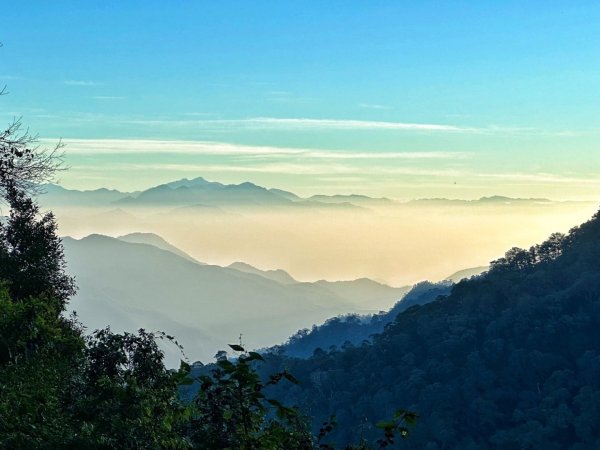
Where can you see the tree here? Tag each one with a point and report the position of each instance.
(124, 397)
(31, 254)
(38, 347)
(24, 163)
(38, 351)
(232, 411)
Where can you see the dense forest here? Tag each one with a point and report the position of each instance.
(353, 329)
(510, 359)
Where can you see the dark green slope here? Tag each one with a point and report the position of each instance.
(354, 328)
(508, 360)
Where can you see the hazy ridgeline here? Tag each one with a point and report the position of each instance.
(138, 285)
(396, 243)
(192, 290)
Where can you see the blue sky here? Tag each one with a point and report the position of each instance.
(499, 97)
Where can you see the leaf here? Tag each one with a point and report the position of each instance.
(385, 425)
(185, 367)
(399, 413)
(226, 365)
(255, 356)
(411, 418)
(291, 378)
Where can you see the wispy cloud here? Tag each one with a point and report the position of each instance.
(80, 83)
(306, 162)
(312, 124)
(285, 168)
(538, 177)
(336, 124)
(373, 106)
(122, 146)
(10, 77)
(200, 122)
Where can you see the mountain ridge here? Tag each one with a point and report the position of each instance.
(117, 277)
(509, 359)
(187, 191)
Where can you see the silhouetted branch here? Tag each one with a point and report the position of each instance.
(24, 163)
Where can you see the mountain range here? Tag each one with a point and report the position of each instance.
(196, 192)
(140, 280)
(199, 193)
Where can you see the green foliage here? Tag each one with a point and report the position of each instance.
(31, 254)
(517, 259)
(232, 411)
(398, 425)
(124, 397)
(32, 408)
(353, 329)
(508, 360)
(39, 349)
(32, 327)
(38, 352)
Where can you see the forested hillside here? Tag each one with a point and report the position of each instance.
(353, 329)
(508, 360)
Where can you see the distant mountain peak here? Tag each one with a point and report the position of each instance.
(248, 184)
(354, 199)
(200, 191)
(278, 275)
(156, 241)
(186, 182)
(95, 237)
(466, 273)
(285, 194)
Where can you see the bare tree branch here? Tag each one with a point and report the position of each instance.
(24, 164)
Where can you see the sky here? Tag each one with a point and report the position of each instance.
(397, 99)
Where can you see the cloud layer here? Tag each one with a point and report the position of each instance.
(140, 146)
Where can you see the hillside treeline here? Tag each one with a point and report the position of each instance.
(510, 359)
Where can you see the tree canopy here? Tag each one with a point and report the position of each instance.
(510, 359)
